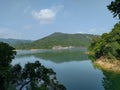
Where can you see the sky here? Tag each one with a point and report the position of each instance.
(35, 19)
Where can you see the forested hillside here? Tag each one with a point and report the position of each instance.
(108, 45)
(59, 39)
(14, 41)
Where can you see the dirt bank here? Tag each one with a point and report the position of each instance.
(108, 64)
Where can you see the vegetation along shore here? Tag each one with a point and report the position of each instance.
(106, 48)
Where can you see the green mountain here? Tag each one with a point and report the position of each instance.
(59, 39)
(14, 41)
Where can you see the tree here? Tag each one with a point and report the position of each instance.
(33, 76)
(7, 53)
(114, 7)
(107, 45)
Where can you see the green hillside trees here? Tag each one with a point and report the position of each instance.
(108, 45)
(59, 39)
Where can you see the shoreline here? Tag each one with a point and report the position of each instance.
(108, 64)
(56, 48)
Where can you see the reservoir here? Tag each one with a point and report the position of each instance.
(73, 68)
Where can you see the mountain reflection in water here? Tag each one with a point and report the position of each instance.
(58, 56)
(73, 68)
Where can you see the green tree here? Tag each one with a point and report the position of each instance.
(114, 7)
(108, 45)
(33, 76)
(7, 53)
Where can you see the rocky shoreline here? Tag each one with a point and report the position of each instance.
(108, 64)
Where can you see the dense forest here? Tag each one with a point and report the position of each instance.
(108, 45)
(59, 39)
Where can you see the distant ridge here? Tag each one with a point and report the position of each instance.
(59, 39)
(14, 41)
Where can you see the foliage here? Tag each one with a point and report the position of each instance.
(7, 53)
(108, 45)
(33, 76)
(114, 7)
(59, 39)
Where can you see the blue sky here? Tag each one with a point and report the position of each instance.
(34, 19)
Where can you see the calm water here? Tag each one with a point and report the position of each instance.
(74, 70)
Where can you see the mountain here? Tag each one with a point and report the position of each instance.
(15, 41)
(59, 39)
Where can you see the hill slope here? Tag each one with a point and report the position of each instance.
(15, 41)
(60, 39)
(108, 45)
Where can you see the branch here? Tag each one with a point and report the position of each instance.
(24, 84)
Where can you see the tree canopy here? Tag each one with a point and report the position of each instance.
(114, 7)
(34, 76)
(108, 45)
(7, 53)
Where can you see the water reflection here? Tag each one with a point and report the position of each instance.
(111, 81)
(58, 56)
(74, 70)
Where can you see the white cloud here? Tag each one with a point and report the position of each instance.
(46, 16)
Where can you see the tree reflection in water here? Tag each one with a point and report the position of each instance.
(111, 81)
